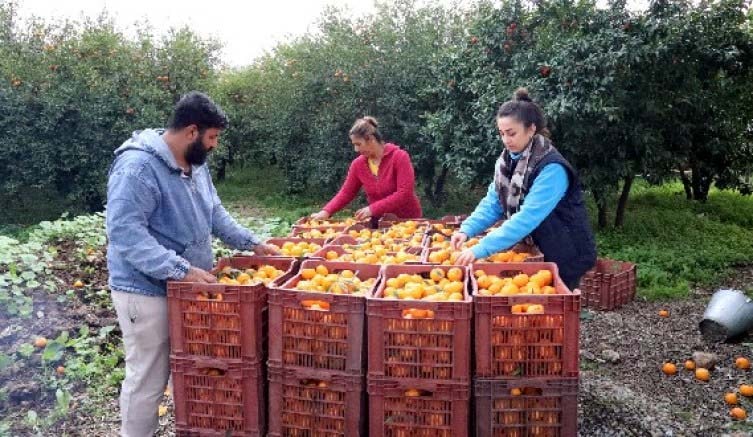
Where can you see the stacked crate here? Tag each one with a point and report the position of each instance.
(418, 359)
(218, 346)
(526, 353)
(317, 351)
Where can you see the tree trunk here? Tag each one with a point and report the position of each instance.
(438, 197)
(619, 217)
(601, 207)
(686, 184)
(700, 183)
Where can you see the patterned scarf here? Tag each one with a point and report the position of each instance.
(511, 189)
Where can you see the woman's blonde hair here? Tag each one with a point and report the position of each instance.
(365, 126)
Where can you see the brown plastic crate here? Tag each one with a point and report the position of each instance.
(279, 241)
(609, 285)
(306, 338)
(526, 345)
(437, 409)
(218, 398)
(436, 349)
(305, 402)
(526, 407)
(230, 327)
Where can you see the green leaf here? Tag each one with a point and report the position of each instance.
(25, 350)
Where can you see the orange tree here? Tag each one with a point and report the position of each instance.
(70, 93)
(307, 92)
(625, 93)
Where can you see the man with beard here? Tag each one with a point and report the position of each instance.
(162, 210)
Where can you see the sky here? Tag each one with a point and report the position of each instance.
(246, 28)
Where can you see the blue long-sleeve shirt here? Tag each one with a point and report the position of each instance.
(547, 190)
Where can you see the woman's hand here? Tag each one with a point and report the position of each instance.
(321, 215)
(363, 214)
(466, 257)
(457, 240)
(266, 250)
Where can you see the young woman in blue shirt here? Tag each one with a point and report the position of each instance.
(538, 194)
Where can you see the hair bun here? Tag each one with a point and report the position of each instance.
(521, 95)
(371, 120)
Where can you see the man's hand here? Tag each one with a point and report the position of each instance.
(363, 214)
(457, 240)
(196, 274)
(466, 257)
(266, 250)
(321, 215)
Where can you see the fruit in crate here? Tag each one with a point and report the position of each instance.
(436, 285)
(378, 256)
(315, 223)
(252, 276)
(301, 248)
(508, 256)
(405, 230)
(320, 280)
(540, 282)
(319, 233)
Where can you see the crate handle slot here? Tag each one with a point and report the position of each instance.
(315, 305)
(417, 313)
(527, 309)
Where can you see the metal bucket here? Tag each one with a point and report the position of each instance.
(728, 314)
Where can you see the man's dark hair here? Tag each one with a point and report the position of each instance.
(197, 108)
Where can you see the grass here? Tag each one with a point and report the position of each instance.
(678, 243)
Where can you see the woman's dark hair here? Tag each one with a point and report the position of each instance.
(365, 126)
(197, 108)
(525, 110)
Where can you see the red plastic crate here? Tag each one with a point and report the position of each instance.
(435, 349)
(433, 409)
(526, 345)
(232, 326)
(526, 407)
(282, 240)
(609, 285)
(305, 338)
(305, 402)
(218, 398)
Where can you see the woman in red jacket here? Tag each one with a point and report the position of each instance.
(384, 171)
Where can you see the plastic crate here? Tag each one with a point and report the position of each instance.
(306, 338)
(222, 321)
(304, 402)
(435, 349)
(218, 398)
(526, 407)
(609, 285)
(526, 345)
(434, 409)
(282, 240)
